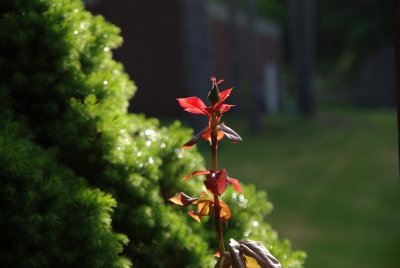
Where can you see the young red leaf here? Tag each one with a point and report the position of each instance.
(183, 199)
(217, 182)
(230, 134)
(224, 94)
(224, 108)
(217, 254)
(236, 184)
(196, 173)
(193, 105)
(220, 81)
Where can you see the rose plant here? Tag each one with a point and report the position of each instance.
(245, 253)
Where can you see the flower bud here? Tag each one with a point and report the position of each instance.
(213, 96)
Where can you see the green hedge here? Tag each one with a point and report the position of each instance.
(69, 99)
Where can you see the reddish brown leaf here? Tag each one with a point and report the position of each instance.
(230, 134)
(217, 182)
(183, 199)
(254, 250)
(237, 259)
(195, 138)
(196, 173)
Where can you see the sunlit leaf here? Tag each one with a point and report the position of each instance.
(225, 213)
(224, 108)
(205, 207)
(183, 199)
(207, 136)
(195, 216)
(224, 94)
(193, 105)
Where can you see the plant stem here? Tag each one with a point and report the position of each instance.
(217, 218)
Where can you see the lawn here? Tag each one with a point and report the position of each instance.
(332, 179)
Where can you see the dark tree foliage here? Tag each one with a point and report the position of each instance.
(49, 217)
(72, 158)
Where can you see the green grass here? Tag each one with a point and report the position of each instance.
(332, 179)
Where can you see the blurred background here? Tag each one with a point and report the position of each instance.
(314, 82)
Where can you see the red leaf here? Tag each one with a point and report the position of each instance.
(225, 107)
(217, 254)
(193, 105)
(195, 111)
(217, 182)
(224, 94)
(196, 173)
(232, 135)
(236, 184)
(220, 81)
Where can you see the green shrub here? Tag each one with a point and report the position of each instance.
(60, 83)
(49, 217)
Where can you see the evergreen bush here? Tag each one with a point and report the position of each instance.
(49, 217)
(63, 105)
